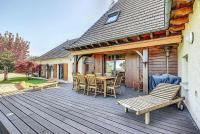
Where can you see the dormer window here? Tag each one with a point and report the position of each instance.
(112, 17)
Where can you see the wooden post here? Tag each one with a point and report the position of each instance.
(75, 64)
(147, 118)
(145, 70)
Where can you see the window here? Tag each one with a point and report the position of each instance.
(115, 63)
(112, 17)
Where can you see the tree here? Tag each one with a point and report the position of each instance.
(26, 67)
(15, 44)
(12, 49)
(6, 62)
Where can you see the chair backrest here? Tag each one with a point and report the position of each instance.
(82, 79)
(108, 74)
(91, 79)
(98, 74)
(118, 80)
(75, 77)
(166, 91)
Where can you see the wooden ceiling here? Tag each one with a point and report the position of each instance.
(180, 14)
(178, 18)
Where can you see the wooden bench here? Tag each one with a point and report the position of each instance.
(45, 85)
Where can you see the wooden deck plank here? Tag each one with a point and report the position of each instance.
(139, 125)
(5, 123)
(170, 127)
(102, 123)
(175, 113)
(69, 112)
(170, 110)
(106, 113)
(101, 101)
(62, 118)
(59, 123)
(91, 125)
(25, 118)
(52, 127)
(20, 125)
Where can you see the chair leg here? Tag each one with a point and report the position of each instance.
(126, 110)
(88, 91)
(95, 92)
(114, 92)
(147, 118)
(84, 90)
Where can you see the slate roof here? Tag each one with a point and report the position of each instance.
(136, 17)
(58, 52)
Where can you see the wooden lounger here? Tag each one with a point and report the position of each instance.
(45, 85)
(163, 95)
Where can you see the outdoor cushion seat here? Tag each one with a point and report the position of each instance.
(163, 95)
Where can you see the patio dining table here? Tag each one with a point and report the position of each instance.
(104, 79)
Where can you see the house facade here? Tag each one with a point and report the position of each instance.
(57, 63)
(145, 38)
(189, 63)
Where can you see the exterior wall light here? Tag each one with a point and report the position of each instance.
(190, 37)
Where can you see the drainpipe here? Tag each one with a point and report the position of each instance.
(167, 51)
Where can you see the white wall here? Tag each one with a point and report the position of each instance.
(68, 60)
(193, 66)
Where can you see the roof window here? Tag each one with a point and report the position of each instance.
(112, 17)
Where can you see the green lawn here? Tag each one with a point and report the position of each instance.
(18, 78)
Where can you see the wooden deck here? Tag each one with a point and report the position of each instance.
(63, 111)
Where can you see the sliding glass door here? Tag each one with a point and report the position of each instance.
(115, 64)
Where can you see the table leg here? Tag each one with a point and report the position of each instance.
(105, 88)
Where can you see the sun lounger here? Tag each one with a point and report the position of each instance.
(46, 85)
(163, 95)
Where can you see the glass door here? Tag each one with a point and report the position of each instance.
(114, 64)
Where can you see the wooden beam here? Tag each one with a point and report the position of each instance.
(107, 43)
(167, 33)
(116, 42)
(176, 28)
(181, 12)
(182, 1)
(132, 45)
(92, 45)
(179, 21)
(99, 44)
(125, 40)
(138, 37)
(151, 35)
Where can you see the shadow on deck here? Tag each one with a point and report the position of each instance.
(61, 110)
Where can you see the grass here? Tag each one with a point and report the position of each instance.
(16, 78)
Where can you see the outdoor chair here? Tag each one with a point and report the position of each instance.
(112, 87)
(92, 84)
(82, 83)
(75, 81)
(163, 95)
(98, 74)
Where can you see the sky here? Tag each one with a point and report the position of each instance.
(48, 23)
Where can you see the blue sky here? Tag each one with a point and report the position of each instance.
(48, 23)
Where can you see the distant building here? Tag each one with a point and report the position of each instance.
(57, 63)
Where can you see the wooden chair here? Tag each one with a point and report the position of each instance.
(114, 86)
(82, 83)
(75, 81)
(92, 84)
(163, 95)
